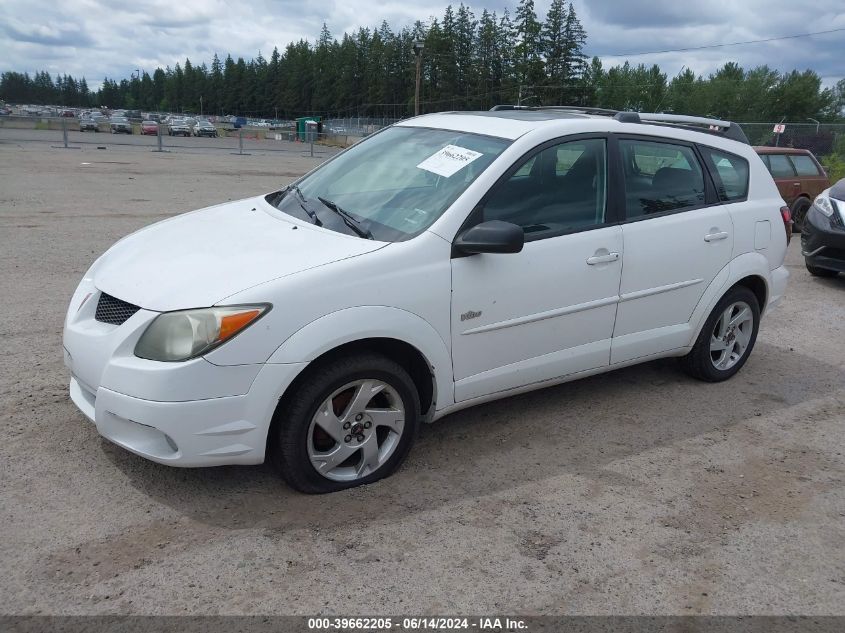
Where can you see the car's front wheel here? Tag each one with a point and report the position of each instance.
(348, 422)
(727, 338)
(815, 271)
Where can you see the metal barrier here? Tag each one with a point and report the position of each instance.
(64, 133)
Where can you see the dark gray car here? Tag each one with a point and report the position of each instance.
(120, 124)
(204, 128)
(178, 127)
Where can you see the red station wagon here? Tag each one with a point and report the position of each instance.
(798, 175)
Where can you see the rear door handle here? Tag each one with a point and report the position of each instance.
(602, 259)
(715, 237)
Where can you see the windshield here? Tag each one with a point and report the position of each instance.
(394, 184)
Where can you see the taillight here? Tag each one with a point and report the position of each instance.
(787, 222)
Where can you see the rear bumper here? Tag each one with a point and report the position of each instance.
(823, 242)
(777, 287)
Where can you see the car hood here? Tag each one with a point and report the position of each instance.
(199, 259)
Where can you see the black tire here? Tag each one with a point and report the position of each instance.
(799, 212)
(815, 271)
(698, 363)
(287, 444)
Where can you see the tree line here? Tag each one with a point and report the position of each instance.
(468, 62)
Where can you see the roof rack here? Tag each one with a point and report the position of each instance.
(717, 127)
(584, 109)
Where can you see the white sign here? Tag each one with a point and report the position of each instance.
(780, 128)
(449, 160)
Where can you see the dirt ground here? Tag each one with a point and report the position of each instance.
(637, 492)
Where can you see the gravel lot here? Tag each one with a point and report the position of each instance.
(640, 491)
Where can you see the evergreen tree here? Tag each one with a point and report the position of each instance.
(530, 75)
(572, 61)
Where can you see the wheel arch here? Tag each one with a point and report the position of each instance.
(750, 270)
(418, 366)
(801, 197)
(398, 334)
(756, 284)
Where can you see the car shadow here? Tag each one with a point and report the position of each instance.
(577, 428)
(837, 282)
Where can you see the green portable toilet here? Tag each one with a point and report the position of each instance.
(302, 128)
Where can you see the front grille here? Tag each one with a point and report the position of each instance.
(113, 310)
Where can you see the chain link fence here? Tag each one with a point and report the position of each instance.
(821, 139)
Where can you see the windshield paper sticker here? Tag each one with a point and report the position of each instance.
(449, 160)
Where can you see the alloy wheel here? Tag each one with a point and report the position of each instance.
(355, 430)
(731, 335)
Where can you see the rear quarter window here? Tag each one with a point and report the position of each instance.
(804, 165)
(730, 174)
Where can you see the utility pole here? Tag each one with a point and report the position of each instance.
(418, 48)
(200, 106)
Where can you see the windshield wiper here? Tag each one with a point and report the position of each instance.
(351, 222)
(302, 203)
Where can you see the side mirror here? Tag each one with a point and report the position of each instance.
(493, 236)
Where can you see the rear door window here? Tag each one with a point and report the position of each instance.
(730, 174)
(660, 177)
(804, 165)
(780, 166)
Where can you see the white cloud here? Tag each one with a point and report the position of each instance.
(96, 38)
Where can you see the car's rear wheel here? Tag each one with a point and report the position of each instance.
(348, 422)
(799, 213)
(727, 338)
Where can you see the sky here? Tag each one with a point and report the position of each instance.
(96, 39)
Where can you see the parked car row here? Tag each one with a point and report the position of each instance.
(175, 126)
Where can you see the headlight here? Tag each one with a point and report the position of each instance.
(177, 336)
(825, 204)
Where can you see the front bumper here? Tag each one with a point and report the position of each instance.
(192, 413)
(823, 241)
(192, 433)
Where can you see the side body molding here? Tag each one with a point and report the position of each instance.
(363, 322)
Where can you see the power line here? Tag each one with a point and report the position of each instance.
(699, 48)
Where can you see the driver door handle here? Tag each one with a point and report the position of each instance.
(715, 237)
(602, 259)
